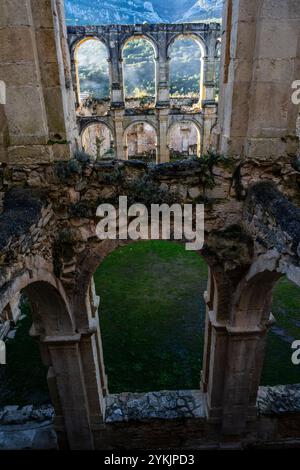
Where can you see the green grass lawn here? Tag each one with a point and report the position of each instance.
(23, 379)
(152, 324)
(278, 367)
(152, 316)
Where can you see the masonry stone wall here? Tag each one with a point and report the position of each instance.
(249, 186)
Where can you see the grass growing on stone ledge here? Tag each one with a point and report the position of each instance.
(152, 316)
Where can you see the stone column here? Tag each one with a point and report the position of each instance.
(67, 383)
(210, 116)
(116, 70)
(214, 372)
(118, 116)
(209, 80)
(209, 104)
(241, 373)
(75, 79)
(163, 153)
(117, 93)
(162, 72)
(208, 298)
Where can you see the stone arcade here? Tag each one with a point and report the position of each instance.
(47, 225)
(119, 118)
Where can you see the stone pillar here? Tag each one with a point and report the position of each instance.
(163, 152)
(75, 79)
(209, 104)
(118, 116)
(33, 64)
(162, 72)
(215, 362)
(116, 71)
(95, 383)
(243, 370)
(67, 382)
(258, 60)
(210, 116)
(209, 80)
(208, 298)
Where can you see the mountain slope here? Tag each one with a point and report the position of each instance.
(204, 9)
(110, 11)
(84, 12)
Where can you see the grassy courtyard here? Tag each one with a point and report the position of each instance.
(152, 325)
(152, 316)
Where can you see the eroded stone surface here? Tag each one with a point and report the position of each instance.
(279, 400)
(154, 405)
(15, 415)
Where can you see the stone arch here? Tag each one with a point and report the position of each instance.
(30, 281)
(74, 58)
(97, 138)
(68, 353)
(144, 36)
(95, 253)
(189, 124)
(246, 335)
(252, 301)
(93, 256)
(253, 296)
(196, 37)
(146, 146)
(154, 47)
(203, 54)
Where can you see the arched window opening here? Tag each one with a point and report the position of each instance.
(152, 316)
(218, 64)
(97, 141)
(23, 380)
(186, 71)
(139, 73)
(184, 140)
(141, 142)
(92, 71)
(278, 366)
